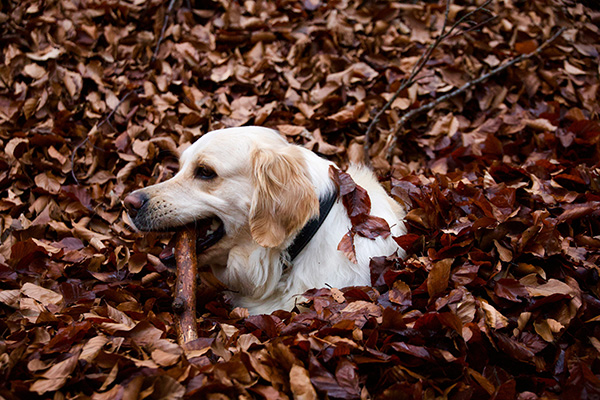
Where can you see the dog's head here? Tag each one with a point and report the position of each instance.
(233, 185)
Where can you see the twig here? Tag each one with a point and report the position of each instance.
(418, 67)
(110, 115)
(114, 110)
(184, 304)
(73, 153)
(87, 139)
(474, 27)
(162, 31)
(107, 119)
(411, 114)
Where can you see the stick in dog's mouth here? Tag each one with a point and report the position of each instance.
(208, 232)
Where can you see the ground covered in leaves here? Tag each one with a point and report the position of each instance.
(499, 297)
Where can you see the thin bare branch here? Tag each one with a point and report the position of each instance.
(73, 153)
(474, 27)
(163, 30)
(114, 110)
(418, 67)
(405, 83)
(468, 15)
(107, 119)
(411, 114)
(87, 139)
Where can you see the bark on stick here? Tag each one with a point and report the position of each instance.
(184, 303)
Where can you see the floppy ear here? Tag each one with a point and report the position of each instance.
(284, 199)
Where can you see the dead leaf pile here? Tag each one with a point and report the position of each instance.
(499, 295)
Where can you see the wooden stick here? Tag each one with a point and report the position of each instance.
(184, 303)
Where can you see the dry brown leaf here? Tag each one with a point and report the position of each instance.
(300, 384)
(10, 297)
(92, 348)
(493, 318)
(34, 71)
(56, 376)
(541, 124)
(338, 295)
(483, 382)
(43, 295)
(46, 54)
(360, 305)
(553, 286)
(49, 182)
(437, 282)
(546, 328)
(400, 294)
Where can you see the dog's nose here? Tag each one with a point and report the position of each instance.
(134, 201)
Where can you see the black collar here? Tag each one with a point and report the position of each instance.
(311, 228)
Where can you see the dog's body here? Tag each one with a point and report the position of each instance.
(264, 191)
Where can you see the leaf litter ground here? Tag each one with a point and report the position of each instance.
(499, 295)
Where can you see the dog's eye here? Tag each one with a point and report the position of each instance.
(205, 173)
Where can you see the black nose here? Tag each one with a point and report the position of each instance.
(134, 201)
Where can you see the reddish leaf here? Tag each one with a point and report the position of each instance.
(510, 289)
(392, 319)
(326, 382)
(400, 294)
(577, 211)
(526, 47)
(79, 194)
(406, 241)
(65, 337)
(70, 243)
(437, 282)
(266, 323)
(378, 266)
(346, 246)
(514, 349)
(416, 351)
(347, 377)
(357, 202)
(372, 227)
(343, 181)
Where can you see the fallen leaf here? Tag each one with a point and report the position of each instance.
(55, 377)
(493, 317)
(300, 384)
(43, 295)
(437, 282)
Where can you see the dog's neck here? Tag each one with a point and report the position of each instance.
(311, 228)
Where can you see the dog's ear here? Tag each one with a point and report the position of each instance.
(284, 199)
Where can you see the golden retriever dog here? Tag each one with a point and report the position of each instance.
(251, 196)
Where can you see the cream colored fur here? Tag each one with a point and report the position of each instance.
(265, 191)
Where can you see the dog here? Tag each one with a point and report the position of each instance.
(251, 196)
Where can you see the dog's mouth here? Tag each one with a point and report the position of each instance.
(208, 233)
